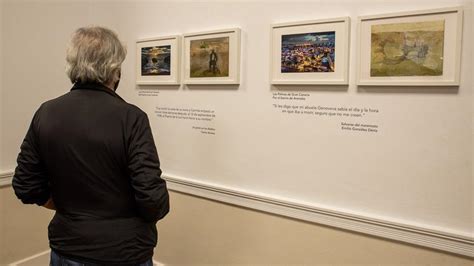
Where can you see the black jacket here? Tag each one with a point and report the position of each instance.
(95, 155)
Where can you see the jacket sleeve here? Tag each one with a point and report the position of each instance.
(151, 194)
(30, 181)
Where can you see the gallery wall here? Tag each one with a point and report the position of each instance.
(403, 173)
(220, 234)
(2, 162)
(416, 170)
(21, 237)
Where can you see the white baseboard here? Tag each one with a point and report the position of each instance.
(17, 263)
(156, 263)
(445, 241)
(6, 178)
(47, 252)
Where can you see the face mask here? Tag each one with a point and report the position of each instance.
(118, 81)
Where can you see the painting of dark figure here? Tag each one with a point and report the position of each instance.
(209, 57)
(213, 62)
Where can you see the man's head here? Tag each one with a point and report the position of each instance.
(95, 54)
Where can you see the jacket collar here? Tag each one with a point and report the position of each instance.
(95, 86)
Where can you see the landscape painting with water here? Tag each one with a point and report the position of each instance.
(407, 49)
(156, 60)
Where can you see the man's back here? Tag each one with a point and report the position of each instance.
(83, 138)
(95, 155)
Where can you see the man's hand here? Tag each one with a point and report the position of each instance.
(50, 204)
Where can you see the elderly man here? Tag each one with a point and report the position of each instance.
(91, 156)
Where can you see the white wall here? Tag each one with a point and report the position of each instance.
(219, 234)
(34, 51)
(417, 171)
(2, 162)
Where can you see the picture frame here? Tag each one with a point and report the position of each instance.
(158, 61)
(212, 57)
(313, 52)
(417, 48)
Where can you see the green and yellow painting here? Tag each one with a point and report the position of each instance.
(209, 57)
(407, 49)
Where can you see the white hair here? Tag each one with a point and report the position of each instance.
(95, 54)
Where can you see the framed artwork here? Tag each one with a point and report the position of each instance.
(310, 52)
(212, 57)
(421, 48)
(158, 61)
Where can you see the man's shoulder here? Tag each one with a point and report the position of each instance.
(54, 101)
(129, 110)
(71, 97)
(133, 109)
